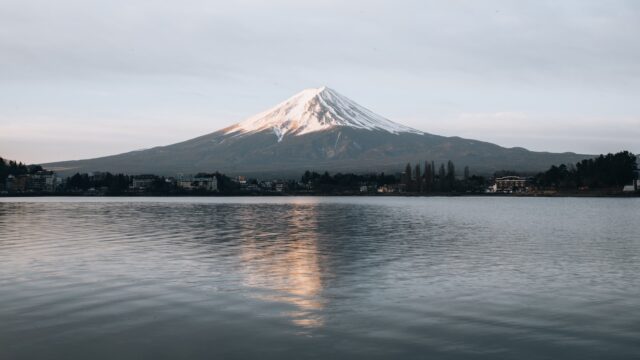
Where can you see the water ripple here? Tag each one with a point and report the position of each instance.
(324, 277)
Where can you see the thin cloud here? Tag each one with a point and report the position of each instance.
(209, 63)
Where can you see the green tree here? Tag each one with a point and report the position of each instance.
(442, 178)
(406, 177)
(418, 179)
(451, 176)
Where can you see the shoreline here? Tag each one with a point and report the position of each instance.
(519, 195)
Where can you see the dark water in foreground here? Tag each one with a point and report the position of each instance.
(288, 278)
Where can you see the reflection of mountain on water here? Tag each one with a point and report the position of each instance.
(285, 262)
(285, 251)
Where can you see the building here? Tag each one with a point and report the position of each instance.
(199, 182)
(635, 186)
(16, 183)
(510, 184)
(142, 182)
(208, 183)
(42, 181)
(266, 185)
(185, 183)
(388, 188)
(240, 180)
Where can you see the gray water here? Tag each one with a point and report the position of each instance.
(289, 278)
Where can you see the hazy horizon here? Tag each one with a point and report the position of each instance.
(82, 80)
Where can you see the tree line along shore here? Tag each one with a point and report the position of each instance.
(605, 175)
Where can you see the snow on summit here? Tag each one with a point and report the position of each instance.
(314, 110)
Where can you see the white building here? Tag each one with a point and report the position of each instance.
(635, 186)
(509, 184)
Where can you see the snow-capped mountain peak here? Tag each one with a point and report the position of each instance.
(314, 110)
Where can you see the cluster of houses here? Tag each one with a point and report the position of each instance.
(50, 182)
(277, 186)
(203, 182)
(40, 181)
(199, 182)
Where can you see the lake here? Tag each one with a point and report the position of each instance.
(326, 278)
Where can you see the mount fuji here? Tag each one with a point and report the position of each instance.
(316, 129)
(316, 110)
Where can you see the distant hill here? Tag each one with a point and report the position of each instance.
(317, 129)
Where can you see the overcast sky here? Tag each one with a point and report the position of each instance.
(86, 78)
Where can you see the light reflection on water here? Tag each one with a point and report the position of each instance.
(319, 277)
(287, 263)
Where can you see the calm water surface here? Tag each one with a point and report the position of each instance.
(287, 278)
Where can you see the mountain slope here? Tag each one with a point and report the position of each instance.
(317, 129)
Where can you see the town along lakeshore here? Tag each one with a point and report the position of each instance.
(610, 175)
